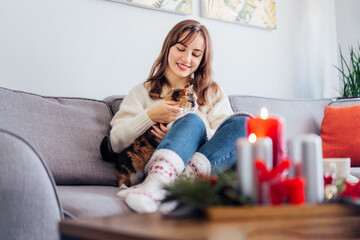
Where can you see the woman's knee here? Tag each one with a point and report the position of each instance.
(237, 120)
(236, 125)
(191, 119)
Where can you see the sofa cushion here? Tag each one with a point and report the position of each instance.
(345, 102)
(114, 102)
(66, 132)
(340, 133)
(91, 201)
(355, 171)
(301, 116)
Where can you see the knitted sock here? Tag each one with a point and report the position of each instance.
(162, 169)
(198, 164)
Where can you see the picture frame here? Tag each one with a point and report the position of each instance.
(183, 7)
(256, 13)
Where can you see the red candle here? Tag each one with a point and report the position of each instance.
(291, 189)
(265, 126)
(295, 188)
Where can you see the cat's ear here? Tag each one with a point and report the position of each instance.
(191, 89)
(186, 89)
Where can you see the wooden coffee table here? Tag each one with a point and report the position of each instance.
(255, 225)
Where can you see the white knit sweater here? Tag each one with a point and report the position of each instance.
(132, 119)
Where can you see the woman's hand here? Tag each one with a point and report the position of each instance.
(165, 112)
(159, 131)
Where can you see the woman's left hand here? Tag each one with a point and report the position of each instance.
(159, 132)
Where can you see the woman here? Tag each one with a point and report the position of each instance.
(196, 142)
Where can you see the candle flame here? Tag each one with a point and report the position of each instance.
(264, 113)
(252, 138)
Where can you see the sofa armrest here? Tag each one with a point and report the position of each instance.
(355, 171)
(29, 205)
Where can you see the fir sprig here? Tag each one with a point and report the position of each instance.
(206, 191)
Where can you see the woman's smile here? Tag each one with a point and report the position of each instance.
(183, 67)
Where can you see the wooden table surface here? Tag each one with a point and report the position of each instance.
(155, 226)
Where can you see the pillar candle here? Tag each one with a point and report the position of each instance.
(248, 150)
(263, 149)
(306, 151)
(295, 188)
(273, 127)
(295, 156)
(245, 169)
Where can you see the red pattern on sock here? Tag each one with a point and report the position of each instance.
(194, 167)
(168, 173)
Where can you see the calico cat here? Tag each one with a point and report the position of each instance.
(130, 163)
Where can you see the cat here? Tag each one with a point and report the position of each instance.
(130, 163)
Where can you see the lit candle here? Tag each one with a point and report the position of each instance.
(263, 149)
(265, 126)
(249, 150)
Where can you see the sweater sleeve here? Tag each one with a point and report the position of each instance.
(131, 120)
(219, 112)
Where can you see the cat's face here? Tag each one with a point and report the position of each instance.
(123, 178)
(184, 96)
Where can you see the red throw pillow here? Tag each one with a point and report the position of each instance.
(340, 133)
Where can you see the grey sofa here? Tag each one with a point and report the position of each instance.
(51, 168)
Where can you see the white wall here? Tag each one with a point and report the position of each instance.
(347, 24)
(97, 48)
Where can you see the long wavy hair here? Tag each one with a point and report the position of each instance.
(203, 85)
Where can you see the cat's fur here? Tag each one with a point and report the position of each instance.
(130, 163)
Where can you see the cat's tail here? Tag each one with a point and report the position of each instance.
(106, 151)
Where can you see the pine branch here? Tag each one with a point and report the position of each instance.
(207, 191)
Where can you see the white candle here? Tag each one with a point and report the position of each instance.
(305, 152)
(248, 151)
(296, 158)
(245, 169)
(262, 149)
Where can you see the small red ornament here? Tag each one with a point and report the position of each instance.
(213, 179)
(328, 180)
(351, 190)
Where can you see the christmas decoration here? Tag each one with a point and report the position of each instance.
(206, 191)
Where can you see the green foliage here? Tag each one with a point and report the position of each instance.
(207, 191)
(350, 73)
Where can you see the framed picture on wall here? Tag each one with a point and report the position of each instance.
(173, 6)
(257, 13)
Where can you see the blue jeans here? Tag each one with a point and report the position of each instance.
(188, 135)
